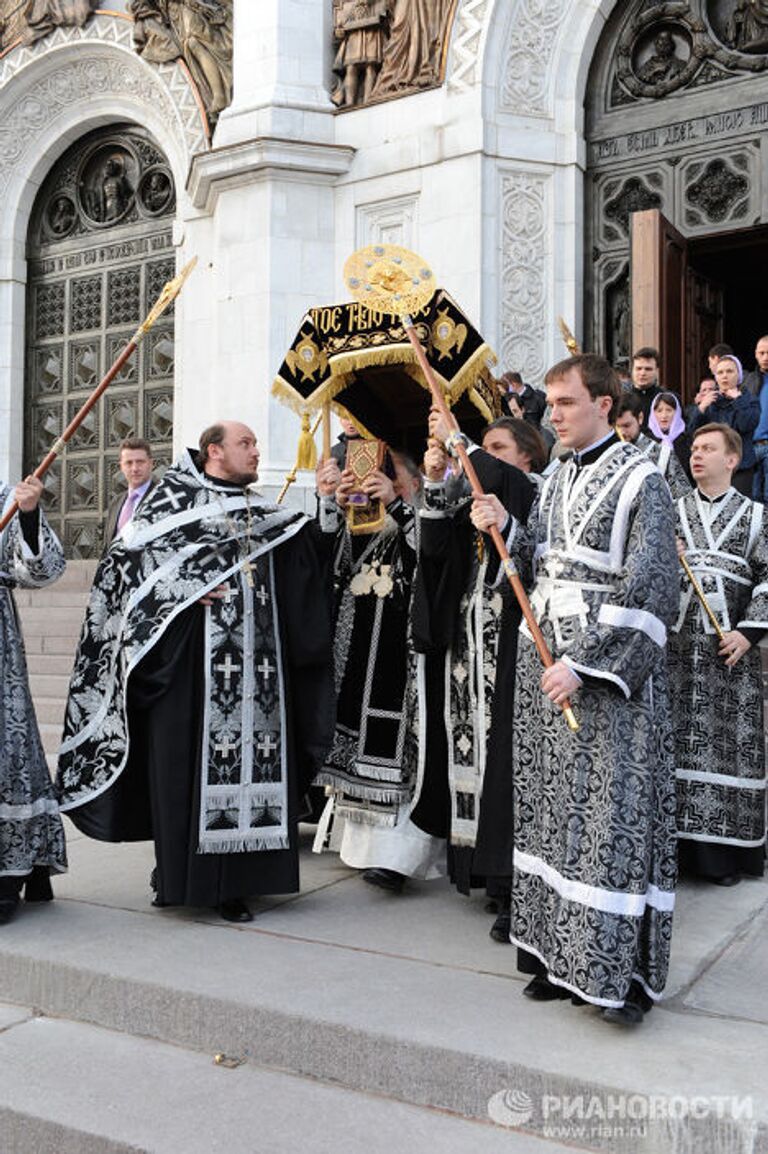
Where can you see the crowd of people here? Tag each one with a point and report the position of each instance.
(244, 667)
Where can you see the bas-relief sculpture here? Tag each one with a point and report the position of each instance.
(199, 32)
(388, 48)
(748, 30)
(29, 20)
(670, 45)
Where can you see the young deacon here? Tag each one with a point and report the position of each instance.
(716, 684)
(594, 847)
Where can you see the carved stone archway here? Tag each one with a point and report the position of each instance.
(675, 120)
(73, 81)
(99, 251)
(532, 75)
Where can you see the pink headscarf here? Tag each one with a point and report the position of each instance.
(678, 424)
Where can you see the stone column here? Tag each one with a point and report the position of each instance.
(262, 225)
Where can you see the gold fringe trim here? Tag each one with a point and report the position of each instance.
(343, 367)
(481, 406)
(399, 354)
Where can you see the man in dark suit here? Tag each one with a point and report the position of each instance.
(136, 464)
(756, 383)
(645, 378)
(532, 401)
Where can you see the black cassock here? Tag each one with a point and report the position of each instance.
(188, 727)
(469, 634)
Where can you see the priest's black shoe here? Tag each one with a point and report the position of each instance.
(630, 1014)
(636, 1006)
(235, 910)
(499, 931)
(541, 990)
(727, 880)
(8, 907)
(37, 887)
(389, 880)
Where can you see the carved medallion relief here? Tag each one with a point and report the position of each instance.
(665, 47)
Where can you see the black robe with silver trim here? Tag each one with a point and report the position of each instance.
(31, 832)
(594, 856)
(667, 462)
(718, 710)
(199, 726)
(458, 612)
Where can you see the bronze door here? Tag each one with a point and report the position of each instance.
(100, 250)
(658, 272)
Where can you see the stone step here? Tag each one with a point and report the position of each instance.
(406, 998)
(38, 619)
(52, 597)
(49, 665)
(98, 1091)
(50, 733)
(58, 641)
(50, 710)
(77, 575)
(48, 684)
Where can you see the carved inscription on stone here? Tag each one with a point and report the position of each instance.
(673, 137)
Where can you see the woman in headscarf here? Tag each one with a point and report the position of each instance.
(670, 449)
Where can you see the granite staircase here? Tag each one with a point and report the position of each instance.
(51, 619)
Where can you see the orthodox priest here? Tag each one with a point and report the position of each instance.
(594, 866)
(372, 769)
(31, 834)
(460, 613)
(717, 684)
(201, 701)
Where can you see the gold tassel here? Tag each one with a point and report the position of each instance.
(306, 452)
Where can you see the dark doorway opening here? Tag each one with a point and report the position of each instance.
(736, 262)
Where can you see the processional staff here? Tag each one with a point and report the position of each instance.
(573, 348)
(390, 279)
(167, 295)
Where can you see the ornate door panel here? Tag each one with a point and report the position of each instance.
(676, 108)
(99, 252)
(659, 263)
(704, 314)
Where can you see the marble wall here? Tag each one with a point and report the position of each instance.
(482, 176)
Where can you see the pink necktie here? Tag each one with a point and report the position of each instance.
(128, 509)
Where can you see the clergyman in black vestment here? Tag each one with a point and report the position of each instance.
(201, 702)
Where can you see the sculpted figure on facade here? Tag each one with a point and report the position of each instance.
(664, 63)
(387, 48)
(115, 189)
(30, 20)
(413, 56)
(197, 31)
(360, 28)
(749, 26)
